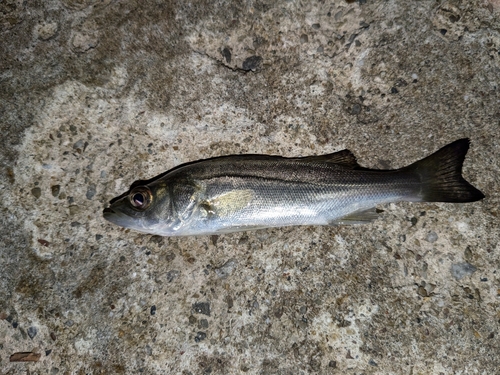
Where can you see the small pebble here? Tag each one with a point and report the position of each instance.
(226, 269)
(202, 308)
(47, 30)
(90, 191)
(421, 291)
(252, 63)
(432, 237)
(172, 275)
(32, 331)
(153, 310)
(78, 145)
(200, 336)
(226, 53)
(304, 38)
(55, 190)
(36, 192)
(460, 270)
(356, 109)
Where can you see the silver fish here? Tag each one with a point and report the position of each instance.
(244, 192)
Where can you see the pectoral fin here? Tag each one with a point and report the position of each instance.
(358, 217)
(228, 203)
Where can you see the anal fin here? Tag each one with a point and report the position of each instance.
(358, 217)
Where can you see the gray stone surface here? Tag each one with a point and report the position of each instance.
(97, 94)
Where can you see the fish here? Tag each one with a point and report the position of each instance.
(247, 192)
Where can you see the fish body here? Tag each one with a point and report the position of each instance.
(245, 192)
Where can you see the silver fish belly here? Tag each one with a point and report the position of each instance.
(245, 192)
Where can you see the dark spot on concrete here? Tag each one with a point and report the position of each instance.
(152, 311)
(226, 53)
(43, 242)
(172, 275)
(252, 63)
(36, 192)
(55, 190)
(202, 308)
(200, 336)
(356, 109)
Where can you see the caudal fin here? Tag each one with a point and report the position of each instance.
(441, 175)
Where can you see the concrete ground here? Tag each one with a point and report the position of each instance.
(95, 94)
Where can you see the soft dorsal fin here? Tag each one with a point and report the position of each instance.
(344, 158)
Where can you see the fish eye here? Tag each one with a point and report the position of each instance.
(140, 197)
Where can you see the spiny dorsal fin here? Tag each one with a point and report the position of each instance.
(344, 158)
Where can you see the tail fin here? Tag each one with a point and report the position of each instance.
(441, 175)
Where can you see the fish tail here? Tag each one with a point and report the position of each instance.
(441, 175)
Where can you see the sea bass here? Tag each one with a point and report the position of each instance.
(245, 192)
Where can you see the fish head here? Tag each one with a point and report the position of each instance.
(144, 208)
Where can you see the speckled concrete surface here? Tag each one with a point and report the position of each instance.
(97, 94)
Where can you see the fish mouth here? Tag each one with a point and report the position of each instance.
(116, 217)
(108, 212)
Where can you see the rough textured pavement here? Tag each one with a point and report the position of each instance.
(97, 94)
